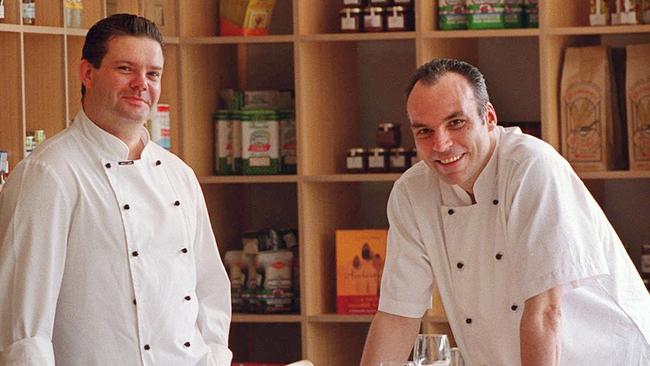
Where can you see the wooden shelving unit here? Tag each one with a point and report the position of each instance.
(345, 84)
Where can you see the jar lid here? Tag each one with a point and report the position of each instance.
(356, 150)
(397, 150)
(377, 150)
(376, 9)
(387, 126)
(646, 246)
(351, 10)
(396, 8)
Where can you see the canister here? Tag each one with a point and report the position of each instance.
(288, 144)
(260, 142)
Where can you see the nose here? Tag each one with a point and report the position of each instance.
(440, 141)
(139, 81)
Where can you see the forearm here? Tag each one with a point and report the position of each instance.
(540, 333)
(390, 338)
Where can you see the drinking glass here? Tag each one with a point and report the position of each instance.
(456, 357)
(431, 350)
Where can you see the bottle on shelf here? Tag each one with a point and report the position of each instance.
(29, 12)
(2, 11)
(73, 13)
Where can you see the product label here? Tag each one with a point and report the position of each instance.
(583, 110)
(398, 161)
(639, 95)
(376, 162)
(2, 11)
(354, 162)
(395, 22)
(348, 23)
(372, 21)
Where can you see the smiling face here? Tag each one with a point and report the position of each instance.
(121, 93)
(450, 135)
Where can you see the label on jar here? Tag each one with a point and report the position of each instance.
(398, 161)
(376, 162)
(354, 162)
(396, 22)
(2, 11)
(348, 23)
(645, 263)
(372, 20)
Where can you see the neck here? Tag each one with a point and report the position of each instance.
(127, 131)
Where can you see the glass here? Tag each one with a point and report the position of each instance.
(456, 357)
(395, 363)
(431, 350)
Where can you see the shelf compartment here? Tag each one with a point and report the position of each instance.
(325, 208)
(615, 175)
(265, 342)
(48, 13)
(238, 208)
(45, 102)
(340, 101)
(485, 33)
(354, 37)
(238, 39)
(266, 318)
(339, 318)
(11, 102)
(598, 30)
(344, 343)
(202, 19)
(12, 14)
(163, 13)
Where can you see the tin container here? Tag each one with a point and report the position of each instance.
(260, 142)
(223, 138)
(288, 155)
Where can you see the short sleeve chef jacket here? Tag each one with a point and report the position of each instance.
(534, 227)
(106, 261)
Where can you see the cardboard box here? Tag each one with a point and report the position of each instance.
(638, 106)
(245, 17)
(360, 256)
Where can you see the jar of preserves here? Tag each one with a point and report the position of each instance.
(389, 135)
(357, 160)
(351, 20)
(373, 19)
(400, 160)
(351, 3)
(415, 158)
(399, 19)
(645, 261)
(378, 160)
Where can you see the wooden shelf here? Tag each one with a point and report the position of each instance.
(484, 33)
(597, 30)
(376, 177)
(238, 39)
(616, 174)
(339, 318)
(266, 318)
(38, 29)
(353, 37)
(247, 179)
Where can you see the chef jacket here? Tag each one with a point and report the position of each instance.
(534, 226)
(108, 261)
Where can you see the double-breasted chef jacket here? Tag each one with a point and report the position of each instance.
(108, 261)
(534, 226)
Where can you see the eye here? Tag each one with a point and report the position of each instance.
(422, 132)
(154, 75)
(456, 123)
(124, 68)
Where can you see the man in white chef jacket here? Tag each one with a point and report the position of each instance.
(529, 269)
(107, 256)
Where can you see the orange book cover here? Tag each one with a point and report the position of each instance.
(360, 256)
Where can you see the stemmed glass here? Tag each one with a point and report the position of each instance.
(431, 350)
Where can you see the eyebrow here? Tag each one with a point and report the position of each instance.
(452, 115)
(117, 62)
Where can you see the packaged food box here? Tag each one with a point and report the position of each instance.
(599, 12)
(233, 261)
(275, 295)
(513, 13)
(624, 12)
(637, 86)
(245, 17)
(485, 14)
(159, 126)
(452, 14)
(360, 256)
(531, 14)
(227, 142)
(288, 145)
(587, 115)
(260, 142)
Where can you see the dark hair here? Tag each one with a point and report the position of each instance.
(432, 71)
(96, 45)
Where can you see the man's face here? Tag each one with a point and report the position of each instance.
(126, 86)
(450, 135)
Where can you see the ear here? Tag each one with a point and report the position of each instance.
(85, 73)
(490, 117)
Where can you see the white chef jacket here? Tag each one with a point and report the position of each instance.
(534, 227)
(106, 261)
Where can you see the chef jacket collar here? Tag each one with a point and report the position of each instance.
(485, 187)
(110, 147)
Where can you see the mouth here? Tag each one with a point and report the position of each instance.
(450, 160)
(135, 100)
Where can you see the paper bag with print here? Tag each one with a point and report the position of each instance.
(637, 85)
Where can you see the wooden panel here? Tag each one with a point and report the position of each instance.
(122, 6)
(11, 122)
(328, 106)
(562, 13)
(12, 12)
(464, 49)
(268, 66)
(319, 16)
(44, 83)
(335, 344)
(265, 343)
(93, 11)
(325, 208)
(206, 70)
(169, 95)
(199, 19)
(225, 215)
(75, 45)
(426, 15)
(163, 13)
(49, 13)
